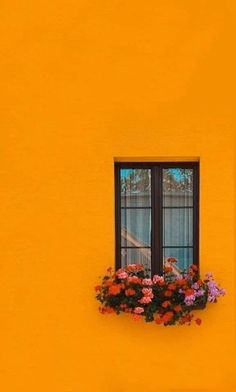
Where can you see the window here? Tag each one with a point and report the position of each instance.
(157, 208)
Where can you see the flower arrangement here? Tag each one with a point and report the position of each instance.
(167, 300)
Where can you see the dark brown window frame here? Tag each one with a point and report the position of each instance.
(156, 208)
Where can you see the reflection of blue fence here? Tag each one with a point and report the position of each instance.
(138, 223)
(177, 226)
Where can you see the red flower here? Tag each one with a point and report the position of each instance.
(158, 320)
(178, 308)
(134, 279)
(114, 289)
(107, 283)
(97, 288)
(186, 319)
(198, 321)
(168, 293)
(189, 292)
(130, 292)
(171, 286)
(181, 282)
(165, 304)
(167, 316)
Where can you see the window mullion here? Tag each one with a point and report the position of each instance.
(156, 224)
(196, 215)
(118, 217)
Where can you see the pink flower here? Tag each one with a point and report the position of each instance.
(158, 279)
(122, 275)
(138, 310)
(147, 282)
(147, 292)
(145, 300)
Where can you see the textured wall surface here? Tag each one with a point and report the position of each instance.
(84, 82)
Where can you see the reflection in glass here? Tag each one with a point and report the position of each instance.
(135, 187)
(136, 227)
(177, 187)
(177, 213)
(183, 255)
(177, 227)
(136, 256)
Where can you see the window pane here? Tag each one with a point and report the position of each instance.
(136, 227)
(136, 256)
(177, 226)
(177, 187)
(135, 187)
(183, 255)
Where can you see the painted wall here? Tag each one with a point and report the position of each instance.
(83, 82)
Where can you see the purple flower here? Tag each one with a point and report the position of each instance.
(195, 286)
(214, 291)
(210, 298)
(200, 293)
(189, 299)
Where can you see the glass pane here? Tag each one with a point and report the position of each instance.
(136, 227)
(136, 256)
(135, 187)
(177, 187)
(177, 226)
(183, 255)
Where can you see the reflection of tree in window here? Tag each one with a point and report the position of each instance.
(178, 179)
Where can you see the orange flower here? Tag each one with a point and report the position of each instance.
(114, 289)
(200, 282)
(189, 292)
(168, 269)
(167, 316)
(198, 321)
(139, 267)
(171, 286)
(168, 293)
(165, 304)
(178, 308)
(130, 292)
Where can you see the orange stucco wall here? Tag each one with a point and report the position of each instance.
(83, 83)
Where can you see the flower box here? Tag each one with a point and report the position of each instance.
(167, 300)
